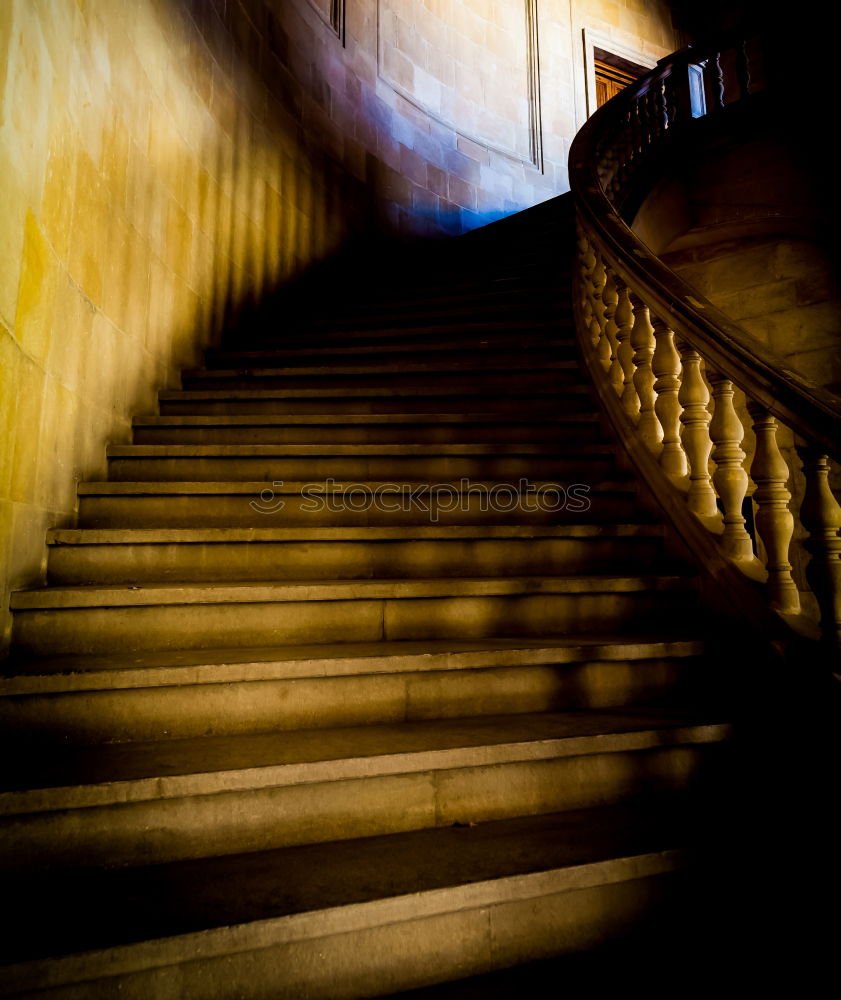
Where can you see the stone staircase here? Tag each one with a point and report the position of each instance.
(307, 709)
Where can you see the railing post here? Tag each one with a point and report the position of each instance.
(774, 520)
(730, 478)
(642, 341)
(821, 517)
(666, 367)
(695, 432)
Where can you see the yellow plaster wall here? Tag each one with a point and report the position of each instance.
(144, 186)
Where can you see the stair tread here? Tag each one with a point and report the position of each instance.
(443, 868)
(466, 345)
(314, 590)
(85, 777)
(373, 533)
(478, 448)
(343, 392)
(521, 364)
(342, 419)
(479, 326)
(293, 486)
(254, 487)
(323, 660)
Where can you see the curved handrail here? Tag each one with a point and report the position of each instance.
(667, 363)
(801, 404)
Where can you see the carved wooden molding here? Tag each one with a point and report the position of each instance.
(531, 92)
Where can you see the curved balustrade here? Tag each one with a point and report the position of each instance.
(674, 372)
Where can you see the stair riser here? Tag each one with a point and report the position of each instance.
(482, 329)
(423, 342)
(455, 433)
(550, 404)
(193, 710)
(201, 510)
(454, 351)
(360, 469)
(420, 313)
(467, 297)
(402, 362)
(323, 560)
(256, 819)
(513, 380)
(203, 626)
(475, 308)
(399, 954)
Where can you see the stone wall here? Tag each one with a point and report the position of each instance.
(164, 161)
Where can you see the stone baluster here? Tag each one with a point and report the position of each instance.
(669, 100)
(695, 432)
(718, 81)
(624, 318)
(642, 341)
(730, 478)
(774, 520)
(587, 261)
(598, 277)
(662, 106)
(608, 352)
(821, 517)
(666, 367)
(655, 120)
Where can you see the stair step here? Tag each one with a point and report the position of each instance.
(102, 619)
(482, 307)
(365, 428)
(426, 341)
(363, 462)
(178, 694)
(506, 378)
(479, 328)
(453, 348)
(403, 366)
(79, 556)
(355, 399)
(461, 296)
(249, 504)
(380, 912)
(225, 795)
(149, 555)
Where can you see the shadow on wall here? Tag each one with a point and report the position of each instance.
(328, 210)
